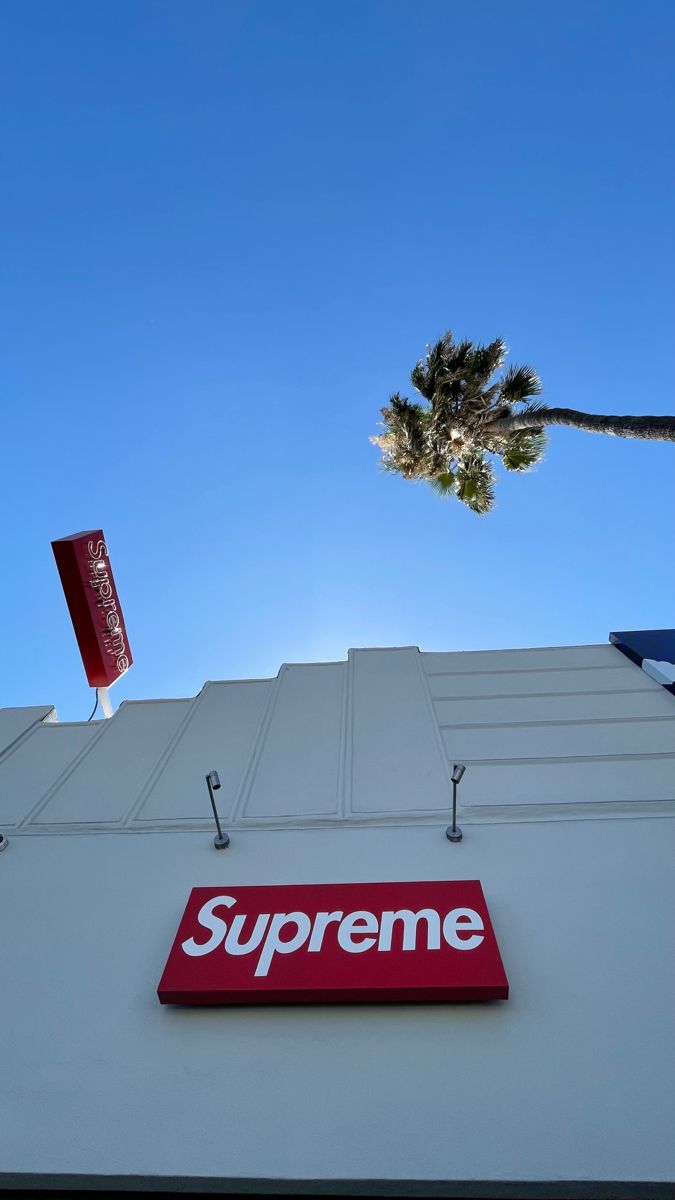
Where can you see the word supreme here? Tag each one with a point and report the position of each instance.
(111, 626)
(354, 932)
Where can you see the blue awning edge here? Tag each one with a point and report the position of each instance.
(651, 649)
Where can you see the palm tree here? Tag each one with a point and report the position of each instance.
(470, 416)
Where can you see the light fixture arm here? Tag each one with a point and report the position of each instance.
(453, 833)
(221, 841)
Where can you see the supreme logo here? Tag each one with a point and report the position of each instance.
(314, 943)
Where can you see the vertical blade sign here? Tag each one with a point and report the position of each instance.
(91, 596)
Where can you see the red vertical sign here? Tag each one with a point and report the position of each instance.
(93, 603)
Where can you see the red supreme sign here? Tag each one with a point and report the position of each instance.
(318, 943)
(93, 604)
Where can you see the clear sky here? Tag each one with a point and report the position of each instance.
(229, 229)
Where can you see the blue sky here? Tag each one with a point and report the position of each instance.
(229, 230)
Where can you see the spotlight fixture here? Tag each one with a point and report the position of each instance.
(4, 842)
(453, 833)
(221, 841)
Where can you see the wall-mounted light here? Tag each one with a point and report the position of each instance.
(4, 842)
(221, 841)
(453, 833)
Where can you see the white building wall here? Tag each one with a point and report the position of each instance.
(569, 831)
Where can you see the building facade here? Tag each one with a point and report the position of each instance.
(340, 773)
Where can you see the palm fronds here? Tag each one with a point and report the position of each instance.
(475, 484)
(524, 450)
(447, 440)
(443, 484)
(518, 384)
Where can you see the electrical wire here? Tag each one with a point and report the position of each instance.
(94, 708)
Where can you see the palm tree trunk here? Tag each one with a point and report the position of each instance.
(661, 429)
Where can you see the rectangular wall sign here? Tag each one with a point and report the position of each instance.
(336, 942)
(91, 596)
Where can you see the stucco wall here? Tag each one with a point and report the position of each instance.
(340, 772)
(569, 1078)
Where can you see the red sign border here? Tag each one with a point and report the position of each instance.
(332, 993)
